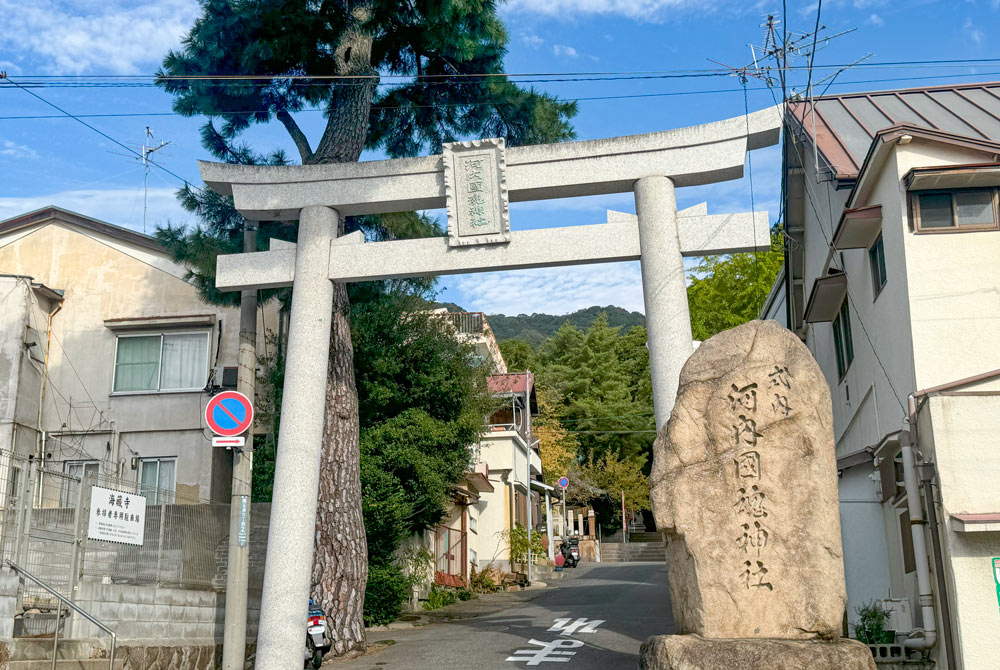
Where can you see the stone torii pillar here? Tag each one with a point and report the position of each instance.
(475, 181)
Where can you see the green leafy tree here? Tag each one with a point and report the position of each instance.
(603, 379)
(328, 54)
(613, 475)
(726, 291)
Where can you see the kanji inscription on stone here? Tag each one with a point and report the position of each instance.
(476, 192)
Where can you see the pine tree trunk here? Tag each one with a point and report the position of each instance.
(340, 561)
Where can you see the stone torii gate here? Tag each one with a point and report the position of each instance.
(475, 181)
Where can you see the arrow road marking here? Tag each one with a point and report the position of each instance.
(564, 627)
(549, 652)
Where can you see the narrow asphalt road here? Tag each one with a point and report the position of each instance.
(596, 619)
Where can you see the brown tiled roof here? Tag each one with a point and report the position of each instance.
(510, 383)
(845, 125)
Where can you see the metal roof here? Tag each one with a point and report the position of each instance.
(845, 125)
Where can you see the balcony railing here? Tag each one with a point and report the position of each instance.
(470, 323)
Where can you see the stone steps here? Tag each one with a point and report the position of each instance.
(617, 552)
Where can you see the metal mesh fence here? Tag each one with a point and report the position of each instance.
(44, 516)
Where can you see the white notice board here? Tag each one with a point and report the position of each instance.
(116, 516)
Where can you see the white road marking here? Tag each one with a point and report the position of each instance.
(549, 652)
(564, 627)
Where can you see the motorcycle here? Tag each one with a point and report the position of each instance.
(571, 554)
(317, 640)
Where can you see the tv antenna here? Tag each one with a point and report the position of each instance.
(147, 150)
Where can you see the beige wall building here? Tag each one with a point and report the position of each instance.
(891, 279)
(492, 497)
(127, 351)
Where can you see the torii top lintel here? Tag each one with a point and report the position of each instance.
(690, 156)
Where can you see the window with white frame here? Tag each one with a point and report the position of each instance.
(157, 479)
(473, 524)
(161, 362)
(79, 471)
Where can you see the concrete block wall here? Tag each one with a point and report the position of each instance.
(134, 612)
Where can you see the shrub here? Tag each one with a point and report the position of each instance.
(439, 597)
(871, 622)
(463, 593)
(387, 590)
(518, 542)
(487, 581)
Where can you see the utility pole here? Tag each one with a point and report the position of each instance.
(146, 151)
(235, 633)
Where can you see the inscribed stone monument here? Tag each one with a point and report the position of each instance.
(744, 484)
(476, 192)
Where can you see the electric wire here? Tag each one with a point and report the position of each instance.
(96, 130)
(639, 96)
(609, 74)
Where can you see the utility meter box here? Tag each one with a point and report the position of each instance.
(900, 617)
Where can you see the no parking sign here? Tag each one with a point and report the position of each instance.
(229, 415)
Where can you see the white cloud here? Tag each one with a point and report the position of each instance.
(76, 36)
(14, 150)
(974, 33)
(120, 206)
(563, 50)
(875, 20)
(534, 41)
(641, 10)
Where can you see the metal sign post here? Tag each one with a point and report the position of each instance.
(230, 414)
(563, 483)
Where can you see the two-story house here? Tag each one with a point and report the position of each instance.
(113, 356)
(891, 279)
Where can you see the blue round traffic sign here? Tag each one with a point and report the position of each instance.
(563, 482)
(229, 414)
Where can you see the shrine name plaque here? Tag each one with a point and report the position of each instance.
(476, 192)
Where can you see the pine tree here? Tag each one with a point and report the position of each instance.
(328, 54)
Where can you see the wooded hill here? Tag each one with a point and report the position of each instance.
(536, 328)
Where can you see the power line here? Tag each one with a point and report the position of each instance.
(4, 77)
(29, 117)
(948, 62)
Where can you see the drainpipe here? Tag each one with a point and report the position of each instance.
(927, 473)
(917, 522)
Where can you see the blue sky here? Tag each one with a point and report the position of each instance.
(60, 162)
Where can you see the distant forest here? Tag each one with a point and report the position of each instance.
(536, 328)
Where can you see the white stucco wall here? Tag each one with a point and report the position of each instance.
(964, 446)
(954, 297)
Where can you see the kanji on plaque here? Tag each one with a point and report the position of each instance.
(110, 522)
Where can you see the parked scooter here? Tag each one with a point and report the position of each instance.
(317, 640)
(571, 552)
